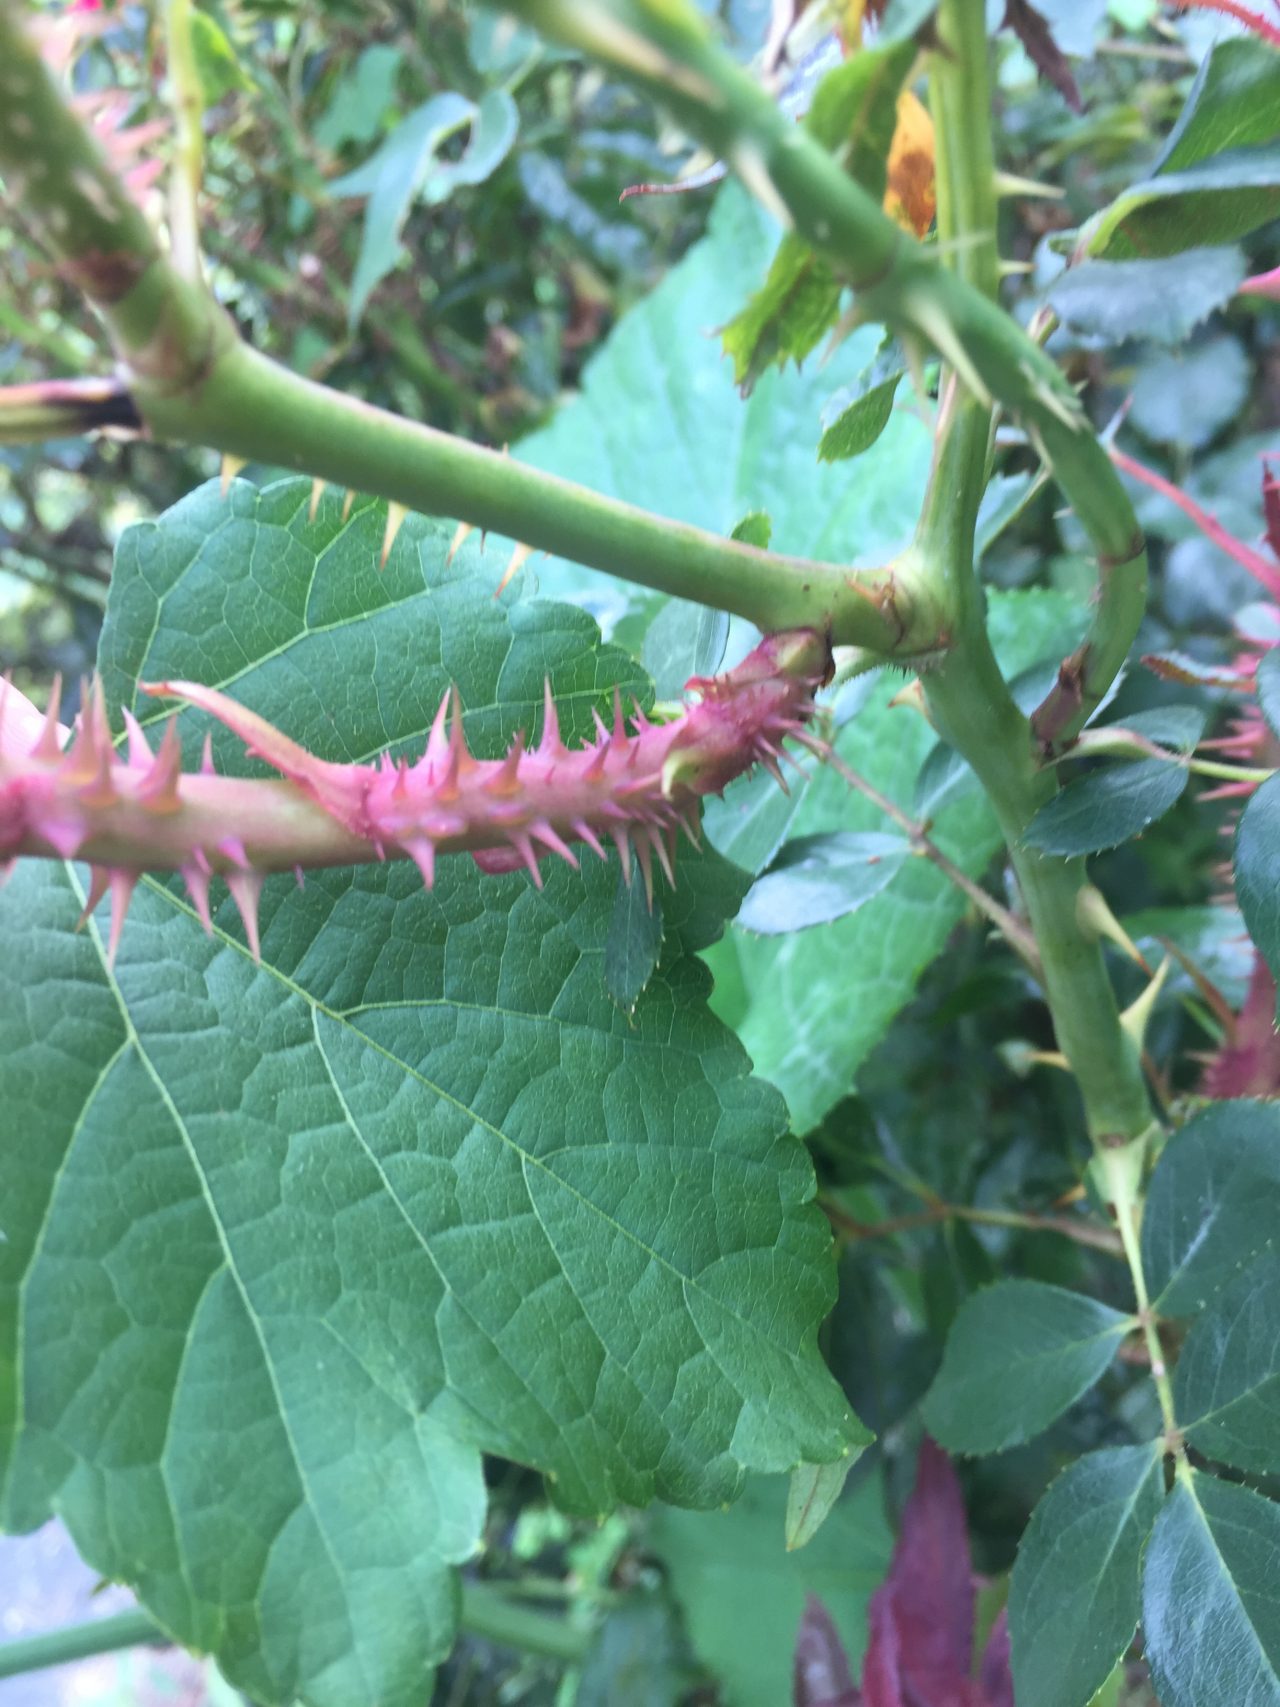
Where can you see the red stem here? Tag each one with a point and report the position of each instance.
(1260, 567)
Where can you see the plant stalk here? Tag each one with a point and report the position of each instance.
(967, 696)
(486, 1613)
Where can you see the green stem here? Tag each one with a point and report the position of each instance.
(194, 382)
(967, 696)
(79, 1641)
(1120, 1174)
(486, 1612)
(186, 172)
(664, 46)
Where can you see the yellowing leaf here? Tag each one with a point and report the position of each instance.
(911, 195)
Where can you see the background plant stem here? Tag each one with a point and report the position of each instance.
(486, 1612)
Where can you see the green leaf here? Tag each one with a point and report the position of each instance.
(1211, 1597)
(658, 421)
(1107, 807)
(816, 879)
(361, 98)
(1018, 1354)
(634, 944)
(1186, 397)
(857, 415)
(217, 66)
(1106, 302)
(1212, 936)
(1177, 727)
(1269, 688)
(755, 528)
(409, 166)
(811, 1494)
(1257, 870)
(1214, 202)
(638, 1658)
(1074, 1593)
(1234, 102)
(1213, 1203)
(683, 640)
(410, 1190)
(1227, 1383)
(854, 113)
(743, 1595)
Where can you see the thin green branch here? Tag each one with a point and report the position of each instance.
(664, 46)
(1088, 1233)
(486, 1613)
(193, 381)
(186, 173)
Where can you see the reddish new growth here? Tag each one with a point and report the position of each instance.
(921, 1618)
(636, 784)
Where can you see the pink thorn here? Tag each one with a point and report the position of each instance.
(139, 747)
(99, 883)
(659, 847)
(622, 842)
(506, 779)
(196, 877)
(1228, 791)
(689, 822)
(159, 789)
(48, 745)
(619, 736)
(422, 851)
(646, 869)
(437, 742)
(550, 742)
(639, 721)
(206, 756)
(232, 849)
(299, 877)
(595, 769)
(602, 728)
(246, 887)
(524, 847)
(122, 885)
(584, 831)
(544, 832)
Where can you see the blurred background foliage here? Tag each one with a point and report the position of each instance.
(419, 204)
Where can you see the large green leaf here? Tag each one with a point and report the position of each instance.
(1074, 1593)
(659, 422)
(1211, 1597)
(286, 1247)
(743, 1597)
(1213, 1205)
(1018, 1354)
(1107, 807)
(1227, 1383)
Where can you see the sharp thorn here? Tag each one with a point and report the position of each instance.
(396, 514)
(317, 492)
(139, 746)
(246, 887)
(231, 466)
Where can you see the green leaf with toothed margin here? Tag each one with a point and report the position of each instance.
(1211, 1596)
(1018, 1354)
(287, 1246)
